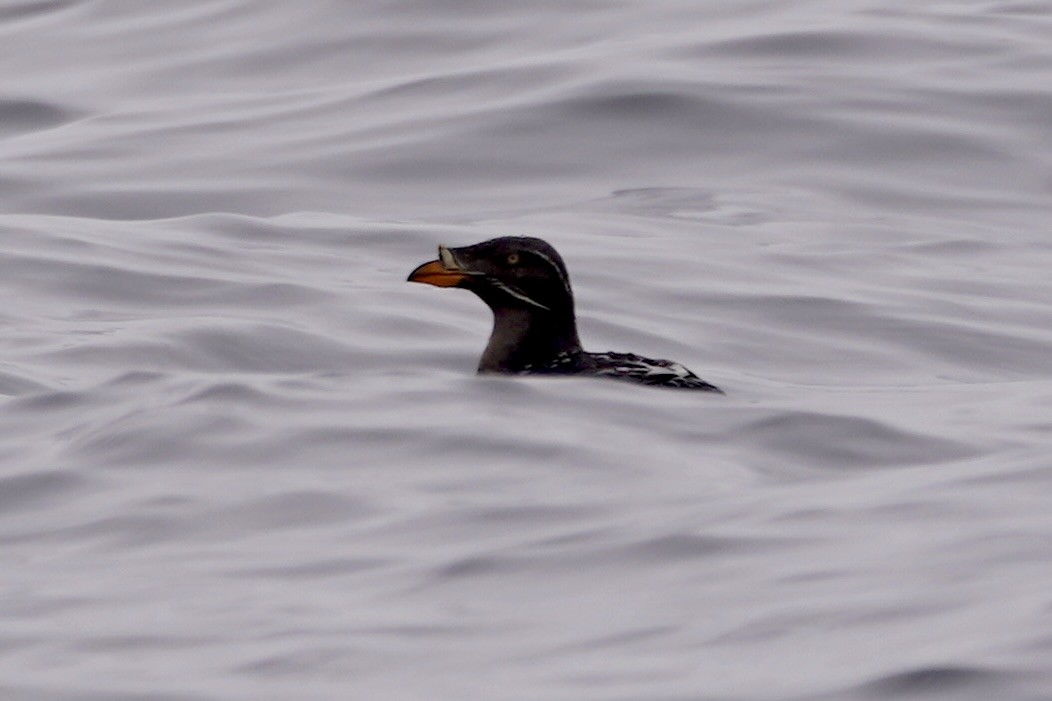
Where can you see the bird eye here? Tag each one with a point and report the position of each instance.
(513, 258)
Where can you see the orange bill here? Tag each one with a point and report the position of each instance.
(437, 274)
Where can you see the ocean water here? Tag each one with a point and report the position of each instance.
(241, 458)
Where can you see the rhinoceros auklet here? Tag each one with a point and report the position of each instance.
(524, 281)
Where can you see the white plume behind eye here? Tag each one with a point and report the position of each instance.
(556, 268)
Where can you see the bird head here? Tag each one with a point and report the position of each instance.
(511, 272)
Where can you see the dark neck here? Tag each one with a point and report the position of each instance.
(524, 337)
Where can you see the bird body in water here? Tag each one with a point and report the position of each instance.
(525, 283)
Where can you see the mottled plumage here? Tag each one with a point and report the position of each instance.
(525, 283)
(622, 366)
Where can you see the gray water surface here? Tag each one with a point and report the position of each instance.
(241, 458)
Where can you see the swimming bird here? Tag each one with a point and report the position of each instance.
(525, 283)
